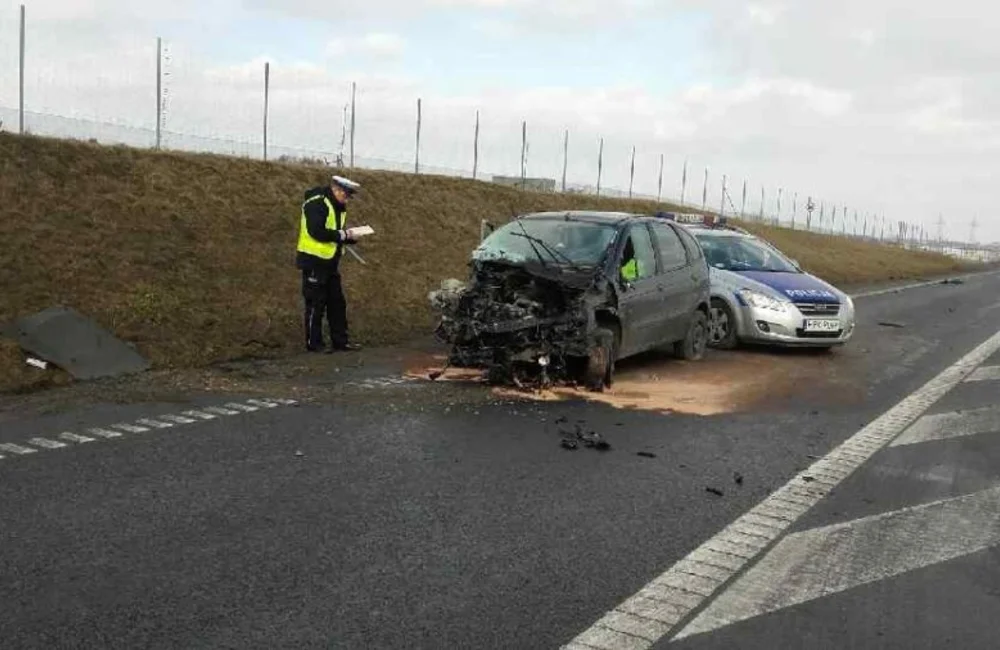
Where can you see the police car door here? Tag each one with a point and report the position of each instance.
(641, 297)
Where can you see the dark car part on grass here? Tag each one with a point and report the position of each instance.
(547, 301)
(75, 343)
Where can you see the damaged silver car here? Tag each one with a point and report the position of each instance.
(563, 296)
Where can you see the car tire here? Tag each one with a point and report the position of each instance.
(692, 348)
(721, 326)
(599, 370)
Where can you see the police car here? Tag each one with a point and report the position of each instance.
(761, 296)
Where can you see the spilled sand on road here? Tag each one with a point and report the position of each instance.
(723, 382)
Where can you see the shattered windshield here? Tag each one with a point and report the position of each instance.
(556, 241)
(742, 254)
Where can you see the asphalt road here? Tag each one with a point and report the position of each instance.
(419, 515)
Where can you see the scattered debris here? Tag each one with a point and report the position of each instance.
(715, 491)
(891, 324)
(737, 478)
(953, 281)
(67, 339)
(299, 454)
(646, 454)
(813, 457)
(38, 363)
(808, 479)
(591, 440)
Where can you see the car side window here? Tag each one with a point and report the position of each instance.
(672, 252)
(639, 259)
(693, 247)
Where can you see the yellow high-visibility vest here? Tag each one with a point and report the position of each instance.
(310, 246)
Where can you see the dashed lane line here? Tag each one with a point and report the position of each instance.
(74, 437)
(104, 433)
(142, 425)
(201, 415)
(45, 443)
(156, 424)
(10, 447)
(130, 428)
(669, 600)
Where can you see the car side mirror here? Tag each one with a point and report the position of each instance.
(485, 229)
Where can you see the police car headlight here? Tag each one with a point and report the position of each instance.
(763, 301)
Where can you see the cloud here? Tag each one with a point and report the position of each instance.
(374, 45)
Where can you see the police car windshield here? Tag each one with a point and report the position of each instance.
(742, 254)
(580, 243)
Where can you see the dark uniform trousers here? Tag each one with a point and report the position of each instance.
(324, 296)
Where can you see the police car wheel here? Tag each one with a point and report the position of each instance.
(721, 326)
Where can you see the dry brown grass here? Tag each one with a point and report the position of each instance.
(192, 256)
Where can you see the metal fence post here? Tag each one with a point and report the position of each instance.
(20, 110)
(743, 204)
(354, 90)
(659, 183)
(600, 166)
(684, 180)
(565, 159)
(267, 97)
(631, 173)
(524, 149)
(475, 149)
(704, 191)
(159, 88)
(722, 207)
(416, 162)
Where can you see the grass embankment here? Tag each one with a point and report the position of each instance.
(191, 257)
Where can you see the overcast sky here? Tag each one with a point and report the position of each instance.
(883, 106)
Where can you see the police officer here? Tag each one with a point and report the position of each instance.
(322, 236)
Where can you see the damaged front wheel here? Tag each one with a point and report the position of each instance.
(601, 360)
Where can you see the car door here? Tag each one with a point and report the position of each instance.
(677, 283)
(640, 299)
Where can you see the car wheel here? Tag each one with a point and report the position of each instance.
(692, 348)
(721, 326)
(601, 360)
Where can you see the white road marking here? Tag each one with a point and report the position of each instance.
(263, 403)
(200, 415)
(47, 444)
(177, 419)
(284, 400)
(942, 426)
(218, 410)
(242, 407)
(130, 428)
(17, 449)
(74, 437)
(811, 564)
(677, 588)
(104, 433)
(155, 423)
(986, 373)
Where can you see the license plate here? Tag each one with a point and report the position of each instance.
(822, 325)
